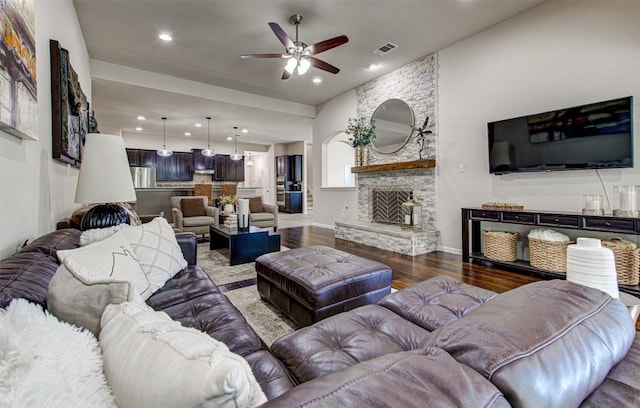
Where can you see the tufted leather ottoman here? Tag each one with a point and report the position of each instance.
(312, 283)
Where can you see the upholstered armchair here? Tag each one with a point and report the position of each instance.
(261, 214)
(193, 214)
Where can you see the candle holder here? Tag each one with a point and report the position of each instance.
(626, 201)
(411, 215)
(592, 204)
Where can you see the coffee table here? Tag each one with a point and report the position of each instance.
(243, 247)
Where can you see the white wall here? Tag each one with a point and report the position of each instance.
(556, 55)
(35, 190)
(330, 205)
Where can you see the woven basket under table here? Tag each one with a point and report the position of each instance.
(548, 255)
(627, 265)
(500, 247)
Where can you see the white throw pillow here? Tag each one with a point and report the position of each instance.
(48, 363)
(110, 259)
(152, 361)
(157, 250)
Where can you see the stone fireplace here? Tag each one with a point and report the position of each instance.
(389, 189)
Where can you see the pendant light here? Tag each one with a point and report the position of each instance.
(235, 156)
(164, 152)
(208, 152)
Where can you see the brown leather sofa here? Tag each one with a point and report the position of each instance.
(440, 343)
(189, 297)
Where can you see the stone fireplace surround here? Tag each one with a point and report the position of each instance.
(391, 237)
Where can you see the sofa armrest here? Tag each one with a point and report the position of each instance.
(177, 218)
(272, 208)
(212, 212)
(189, 244)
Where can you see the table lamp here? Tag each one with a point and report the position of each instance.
(104, 178)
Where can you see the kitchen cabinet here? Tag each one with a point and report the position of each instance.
(289, 167)
(142, 157)
(234, 170)
(227, 169)
(201, 162)
(178, 167)
(292, 202)
(282, 165)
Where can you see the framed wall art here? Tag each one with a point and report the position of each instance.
(18, 81)
(69, 108)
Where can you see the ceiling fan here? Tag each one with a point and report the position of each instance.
(299, 54)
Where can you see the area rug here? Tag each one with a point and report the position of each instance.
(264, 318)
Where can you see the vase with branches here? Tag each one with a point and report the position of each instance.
(361, 133)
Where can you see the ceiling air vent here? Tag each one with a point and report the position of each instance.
(385, 48)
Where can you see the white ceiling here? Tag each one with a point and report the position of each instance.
(209, 37)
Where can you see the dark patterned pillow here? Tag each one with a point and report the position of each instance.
(192, 207)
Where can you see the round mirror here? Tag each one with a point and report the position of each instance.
(394, 122)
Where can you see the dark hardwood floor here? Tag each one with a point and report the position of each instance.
(409, 270)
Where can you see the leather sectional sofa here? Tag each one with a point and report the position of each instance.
(439, 343)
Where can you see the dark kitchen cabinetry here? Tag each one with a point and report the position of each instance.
(234, 170)
(289, 167)
(201, 162)
(227, 169)
(178, 167)
(142, 157)
(293, 202)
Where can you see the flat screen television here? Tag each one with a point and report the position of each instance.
(593, 136)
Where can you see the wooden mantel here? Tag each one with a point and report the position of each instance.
(416, 164)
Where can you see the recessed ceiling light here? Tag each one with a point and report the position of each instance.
(187, 133)
(139, 129)
(229, 138)
(141, 117)
(165, 37)
(198, 124)
(245, 131)
(374, 66)
(317, 80)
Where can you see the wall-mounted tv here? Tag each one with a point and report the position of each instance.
(593, 136)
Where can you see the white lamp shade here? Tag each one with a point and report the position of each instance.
(104, 173)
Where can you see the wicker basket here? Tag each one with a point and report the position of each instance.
(548, 255)
(500, 247)
(627, 264)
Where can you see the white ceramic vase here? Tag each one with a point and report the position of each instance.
(589, 264)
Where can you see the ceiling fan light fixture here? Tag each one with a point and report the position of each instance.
(164, 152)
(208, 152)
(291, 65)
(303, 66)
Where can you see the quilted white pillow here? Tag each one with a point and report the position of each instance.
(110, 259)
(157, 250)
(48, 363)
(152, 361)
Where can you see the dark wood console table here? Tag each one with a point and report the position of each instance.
(472, 219)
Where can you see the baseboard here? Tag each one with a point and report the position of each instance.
(450, 250)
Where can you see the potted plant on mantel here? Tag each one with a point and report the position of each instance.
(362, 131)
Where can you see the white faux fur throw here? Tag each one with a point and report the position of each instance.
(48, 363)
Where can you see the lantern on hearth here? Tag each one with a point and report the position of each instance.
(411, 214)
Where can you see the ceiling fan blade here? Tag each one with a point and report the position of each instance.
(264, 56)
(285, 74)
(325, 45)
(282, 36)
(322, 65)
